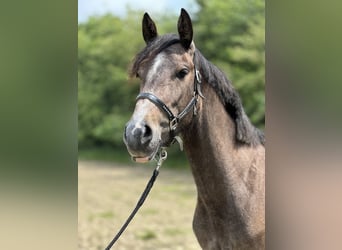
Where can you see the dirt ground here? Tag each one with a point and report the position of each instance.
(107, 193)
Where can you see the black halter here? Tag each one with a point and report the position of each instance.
(174, 120)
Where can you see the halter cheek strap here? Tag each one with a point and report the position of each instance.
(174, 120)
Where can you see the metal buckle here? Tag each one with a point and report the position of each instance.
(174, 123)
(198, 90)
(198, 76)
(162, 155)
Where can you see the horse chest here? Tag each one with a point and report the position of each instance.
(217, 230)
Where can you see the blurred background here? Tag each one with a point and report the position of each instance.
(230, 34)
(41, 185)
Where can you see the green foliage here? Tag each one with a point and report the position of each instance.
(106, 95)
(229, 33)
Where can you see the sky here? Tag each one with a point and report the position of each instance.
(87, 8)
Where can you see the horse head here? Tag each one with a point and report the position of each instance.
(168, 86)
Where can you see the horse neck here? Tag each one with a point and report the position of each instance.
(218, 162)
(209, 140)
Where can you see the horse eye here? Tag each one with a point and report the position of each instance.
(182, 73)
(137, 75)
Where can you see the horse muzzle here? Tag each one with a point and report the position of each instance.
(138, 137)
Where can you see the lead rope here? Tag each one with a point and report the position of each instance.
(162, 155)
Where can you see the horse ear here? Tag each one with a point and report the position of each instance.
(185, 29)
(149, 29)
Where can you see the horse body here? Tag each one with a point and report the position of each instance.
(226, 152)
(229, 180)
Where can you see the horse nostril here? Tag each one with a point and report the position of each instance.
(137, 135)
(146, 135)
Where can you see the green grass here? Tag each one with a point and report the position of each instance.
(149, 211)
(106, 214)
(173, 231)
(146, 235)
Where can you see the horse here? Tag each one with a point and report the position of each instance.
(225, 151)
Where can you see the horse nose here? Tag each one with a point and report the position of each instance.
(137, 135)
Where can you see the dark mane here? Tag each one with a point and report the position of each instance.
(245, 131)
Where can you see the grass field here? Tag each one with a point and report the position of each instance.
(107, 193)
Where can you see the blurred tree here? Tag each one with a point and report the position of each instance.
(231, 35)
(106, 45)
(106, 96)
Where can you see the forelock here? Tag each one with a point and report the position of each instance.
(152, 50)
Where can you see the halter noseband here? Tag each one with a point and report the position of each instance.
(174, 120)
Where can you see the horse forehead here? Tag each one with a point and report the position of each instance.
(167, 60)
(157, 62)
